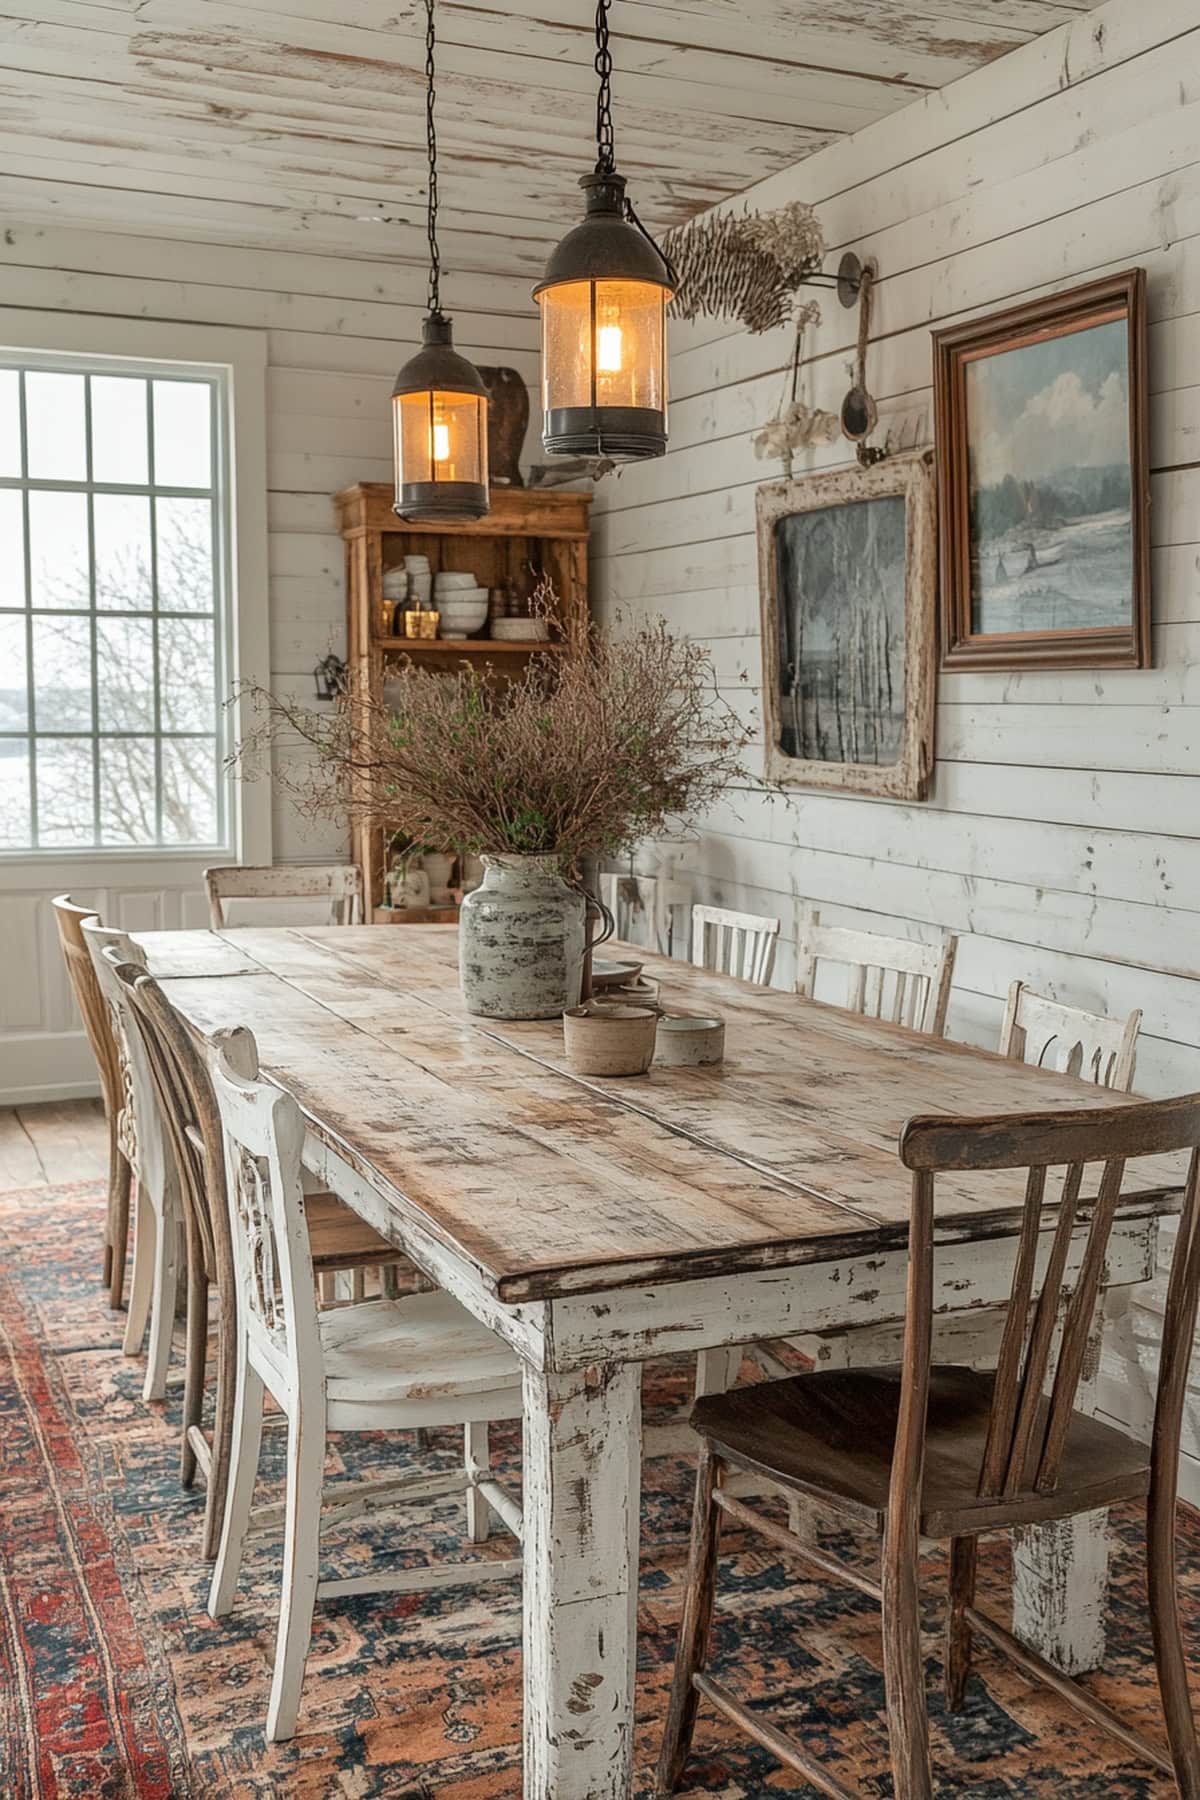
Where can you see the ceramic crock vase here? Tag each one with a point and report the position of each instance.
(521, 940)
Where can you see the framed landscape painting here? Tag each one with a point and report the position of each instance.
(1043, 484)
(848, 580)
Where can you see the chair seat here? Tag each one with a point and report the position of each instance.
(339, 1239)
(424, 1349)
(830, 1435)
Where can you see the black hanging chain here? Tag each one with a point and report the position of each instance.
(606, 156)
(435, 266)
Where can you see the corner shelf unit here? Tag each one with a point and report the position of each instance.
(548, 529)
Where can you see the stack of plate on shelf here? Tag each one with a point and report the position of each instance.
(420, 580)
(461, 603)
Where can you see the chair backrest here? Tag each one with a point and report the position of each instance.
(1041, 1360)
(887, 977)
(734, 943)
(92, 1007)
(1054, 1036)
(338, 885)
(263, 1138)
(139, 1120)
(191, 1121)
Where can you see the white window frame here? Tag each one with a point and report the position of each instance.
(242, 357)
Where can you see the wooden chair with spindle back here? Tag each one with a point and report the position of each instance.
(98, 1028)
(336, 886)
(941, 1452)
(1052, 1035)
(888, 977)
(339, 1240)
(158, 1220)
(734, 943)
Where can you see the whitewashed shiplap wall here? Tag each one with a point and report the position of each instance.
(1061, 839)
(336, 331)
(1062, 835)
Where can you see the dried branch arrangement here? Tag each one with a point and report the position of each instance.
(584, 754)
(746, 266)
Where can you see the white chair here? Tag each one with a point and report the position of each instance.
(734, 943)
(1053, 1036)
(888, 977)
(335, 887)
(389, 1364)
(158, 1217)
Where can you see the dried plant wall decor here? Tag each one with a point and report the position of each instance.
(744, 266)
(848, 585)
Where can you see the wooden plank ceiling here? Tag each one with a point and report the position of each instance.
(300, 123)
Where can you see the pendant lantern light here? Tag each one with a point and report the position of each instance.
(604, 314)
(439, 402)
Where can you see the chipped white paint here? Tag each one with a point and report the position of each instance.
(582, 1488)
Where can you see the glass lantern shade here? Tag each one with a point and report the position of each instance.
(604, 336)
(439, 422)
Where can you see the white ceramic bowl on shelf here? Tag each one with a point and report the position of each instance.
(520, 631)
(447, 580)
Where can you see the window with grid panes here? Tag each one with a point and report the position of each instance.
(113, 497)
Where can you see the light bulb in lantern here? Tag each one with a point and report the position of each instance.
(608, 350)
(441, 442)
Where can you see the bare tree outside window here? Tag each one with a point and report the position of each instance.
(110, 647)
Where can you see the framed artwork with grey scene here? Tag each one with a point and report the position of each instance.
(847, 567)
(1043, 482)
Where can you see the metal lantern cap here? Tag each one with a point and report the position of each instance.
(437, 367)
(605, 246)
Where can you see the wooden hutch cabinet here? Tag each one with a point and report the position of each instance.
(525, 526)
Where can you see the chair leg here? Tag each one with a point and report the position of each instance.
(141, 1283)
(222, 1434)
(196, 1361)
(903, 1667)
(120, 1183)
(162, 1307)
(963, 1560)
(692, 1650)
(1169, 1659)
(243, 1471)
(477, 1458)
(301, 1556)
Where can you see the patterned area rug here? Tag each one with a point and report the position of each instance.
(117, 1686)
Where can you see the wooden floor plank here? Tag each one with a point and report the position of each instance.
(20, 1165)
(57, 1140)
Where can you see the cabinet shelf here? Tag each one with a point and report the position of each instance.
(464, 646)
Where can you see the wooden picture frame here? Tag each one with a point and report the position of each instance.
(856, 712)
(1042, 449)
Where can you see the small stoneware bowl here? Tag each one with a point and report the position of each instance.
(609, 1040)
(684, 1042)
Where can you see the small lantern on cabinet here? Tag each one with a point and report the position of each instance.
(604, 304)
(439, 402)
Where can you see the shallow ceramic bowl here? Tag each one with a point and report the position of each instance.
(606, 974)
(684, 1042)
(608, 1039)
(520, 631)
(453, 578)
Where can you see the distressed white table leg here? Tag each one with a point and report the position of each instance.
(1060, 1571)
(1060, 1590)
(582, 1492)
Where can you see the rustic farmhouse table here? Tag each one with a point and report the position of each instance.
(594, 1223)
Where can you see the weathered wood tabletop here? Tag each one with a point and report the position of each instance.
(553, 1182)
(594, 1223)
